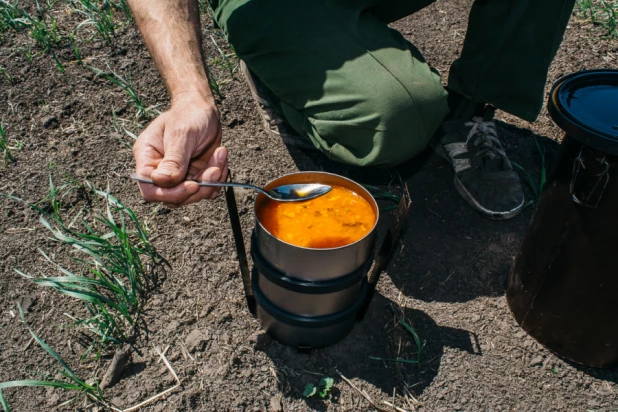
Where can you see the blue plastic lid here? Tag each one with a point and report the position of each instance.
(585, 106)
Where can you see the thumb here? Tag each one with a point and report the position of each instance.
(173, 168)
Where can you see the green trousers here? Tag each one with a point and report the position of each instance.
(362, 93)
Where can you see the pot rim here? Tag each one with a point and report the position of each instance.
(360, 187)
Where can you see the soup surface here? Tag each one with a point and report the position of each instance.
(338, 218)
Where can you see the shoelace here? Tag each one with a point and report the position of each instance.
(484, 134)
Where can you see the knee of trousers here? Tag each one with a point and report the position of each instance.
(387, 128)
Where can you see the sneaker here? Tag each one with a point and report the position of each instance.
(484, 176)
(274, 123)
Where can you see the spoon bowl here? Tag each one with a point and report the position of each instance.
(285, 193)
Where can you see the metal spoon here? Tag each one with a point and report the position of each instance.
(285, 193)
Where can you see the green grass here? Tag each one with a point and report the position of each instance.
(43, 30)
(322, 389)
(101, 18)
(117, 265)
(536, 187)
(11, 16)
(5, 149)
(126, 84)
(417, 341)
(603, 13)
(6, 75)
(70, 381)
(42, 27)
(228, 62)
(53, 201)
(379, 194)
(123, 6)
(121, 130)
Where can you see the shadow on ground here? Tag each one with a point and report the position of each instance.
(378, 335)
(449, 252)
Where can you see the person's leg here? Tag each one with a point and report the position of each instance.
(360, 91)
(506, 55)
(389, 11)
(507, 52)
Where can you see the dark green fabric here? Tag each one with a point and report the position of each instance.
(362, 93)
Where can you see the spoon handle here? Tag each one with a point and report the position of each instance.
(142, 179)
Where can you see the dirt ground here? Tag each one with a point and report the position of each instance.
(448, 272)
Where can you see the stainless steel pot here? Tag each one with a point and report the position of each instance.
(305, 298)
(303, 331)
(314, 264)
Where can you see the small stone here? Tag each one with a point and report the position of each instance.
(53, 398)
(537, 360)
(50, 122)
(233, 123)
(275, 404)
(26, 302)
(593, 403)
(172, 327)
(196, 341)
(520, 334)
(116, 367)
(495, 248)
(186, 218)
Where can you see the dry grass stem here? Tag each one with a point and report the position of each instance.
(32, 340)
(398, 409)
(164, 353)
(364, 394)
(159, 395)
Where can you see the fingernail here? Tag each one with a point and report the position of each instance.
(215, 176)
(221, 156)
(163, 172)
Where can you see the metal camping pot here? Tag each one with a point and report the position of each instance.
(307, 331)
(314, 264)
(308, 298)
(563, 284)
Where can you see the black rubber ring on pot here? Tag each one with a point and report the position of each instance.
(304, 286)
(308, 321)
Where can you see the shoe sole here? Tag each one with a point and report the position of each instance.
(484, 211)
(463, 192)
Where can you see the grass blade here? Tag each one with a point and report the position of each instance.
(53, 384)
(412, 362)
(4, 403)
(529, 180)
(420, 346)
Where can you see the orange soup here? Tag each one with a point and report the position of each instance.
(335, 219)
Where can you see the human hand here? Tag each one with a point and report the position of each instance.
(182, 143)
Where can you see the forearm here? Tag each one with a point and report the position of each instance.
(171, 30)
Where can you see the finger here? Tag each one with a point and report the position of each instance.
(177, 155)
(224, 174)
(174, 195)
(148, 149)
(219, 159)
(212, 174)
